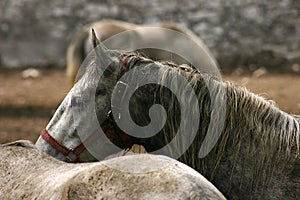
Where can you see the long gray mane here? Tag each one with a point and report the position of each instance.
(257, 136)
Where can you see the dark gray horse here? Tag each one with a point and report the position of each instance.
(256, 151)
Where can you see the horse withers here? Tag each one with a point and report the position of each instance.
(135, 36)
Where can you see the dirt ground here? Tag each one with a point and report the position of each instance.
(26, 105)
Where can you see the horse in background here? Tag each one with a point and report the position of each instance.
(255, 157)
(105, 29)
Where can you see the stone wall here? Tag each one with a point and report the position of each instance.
(238, 32)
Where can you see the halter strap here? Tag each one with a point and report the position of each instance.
(124, 60)
(71, 154)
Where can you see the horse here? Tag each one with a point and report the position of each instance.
(27, 173)
(255, 156)
(80, 46)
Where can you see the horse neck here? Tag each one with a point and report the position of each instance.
(266, 125)
(259, 143)
(261, 140)
(256, 113)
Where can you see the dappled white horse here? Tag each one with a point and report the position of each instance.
(27, 173)
(134, 35)
(255, 156)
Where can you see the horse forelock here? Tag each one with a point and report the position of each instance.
(261, 136)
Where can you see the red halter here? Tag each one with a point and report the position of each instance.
(73, 154)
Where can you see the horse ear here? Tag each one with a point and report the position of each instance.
(102, 53)
(104, 56)
(97, 45)
(95, 40)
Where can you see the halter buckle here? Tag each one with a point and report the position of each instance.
(71, 157)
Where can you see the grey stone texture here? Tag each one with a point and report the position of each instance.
(238, 32)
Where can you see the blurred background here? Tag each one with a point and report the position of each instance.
(249, 32)
(256, 43)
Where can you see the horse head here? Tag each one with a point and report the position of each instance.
(85, 106)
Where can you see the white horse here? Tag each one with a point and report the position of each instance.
(256, 156)
(140, 35)
(27, 173)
